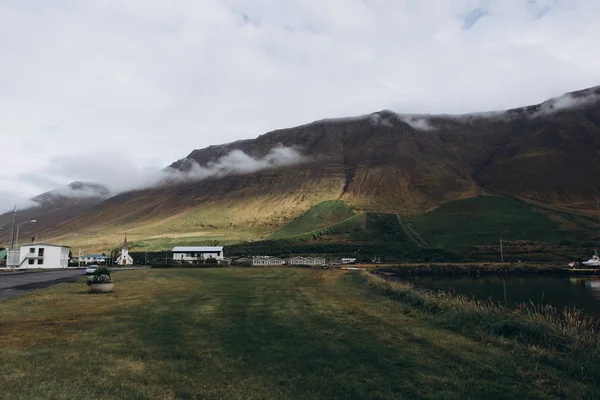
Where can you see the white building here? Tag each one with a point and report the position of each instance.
(348, 260)
(307, 261)
(93, 259)
(197, 253)
(319, 261)
(39, 255)
(124, 258)
(266, 261)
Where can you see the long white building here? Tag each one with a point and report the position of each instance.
(197, 253)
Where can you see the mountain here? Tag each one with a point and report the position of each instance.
(386, 163)
(54, 208)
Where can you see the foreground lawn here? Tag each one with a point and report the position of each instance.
(255, 333)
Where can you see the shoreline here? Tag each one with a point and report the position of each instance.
(451, 269)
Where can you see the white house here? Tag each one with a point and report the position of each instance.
(39, 255)
(266, 260)
(348, 260)
(197, 253)
(307, 261)
(319, 261)
(124, 258)
(93, 259)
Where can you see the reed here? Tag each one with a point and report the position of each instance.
(541, 325)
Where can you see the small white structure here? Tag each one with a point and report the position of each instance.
(266, 260)
(197, 253)
(307, 261)
(348, 260)
(124, 258)
(319, 261)
(39, 255)
(93, 259)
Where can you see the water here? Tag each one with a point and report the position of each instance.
(559, 291)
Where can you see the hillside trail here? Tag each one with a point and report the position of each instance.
(410, 231)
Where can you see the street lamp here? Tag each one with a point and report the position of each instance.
(33, 221)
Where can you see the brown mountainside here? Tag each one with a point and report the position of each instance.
(404, 164)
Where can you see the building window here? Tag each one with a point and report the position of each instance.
(31, 260)
(32, 250)
(40, 262)
(40, 252)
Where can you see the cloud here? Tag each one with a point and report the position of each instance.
(566, 101)
(236, 163)
(474, 16)
(105, 176)
(9, 199)
(80, 189)
(132, 86)
(417, 122)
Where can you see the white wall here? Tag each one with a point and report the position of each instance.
(54, 257)
(201, 256)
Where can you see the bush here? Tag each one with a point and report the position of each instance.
(101, 271)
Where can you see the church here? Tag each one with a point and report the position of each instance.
(124, 258)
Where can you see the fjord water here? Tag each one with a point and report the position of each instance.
(582, 292)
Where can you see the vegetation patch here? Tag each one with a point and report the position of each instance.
(270, 333)
(463, 224)
(568, 335)
(322, 215)
(470, 269)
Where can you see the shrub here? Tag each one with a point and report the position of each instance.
(101, 271)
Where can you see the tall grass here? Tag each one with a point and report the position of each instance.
(567, 332)
(470, 269)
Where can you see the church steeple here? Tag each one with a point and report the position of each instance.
(125, 258)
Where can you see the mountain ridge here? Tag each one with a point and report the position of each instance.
(377, 162)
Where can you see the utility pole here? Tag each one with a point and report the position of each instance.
(145, 257)
(501, 252)
(79, 259)
(166, 257)
(12, 230)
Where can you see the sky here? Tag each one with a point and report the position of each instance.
(113, 90)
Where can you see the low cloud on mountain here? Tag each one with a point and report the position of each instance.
(236, 162)
(117, 173)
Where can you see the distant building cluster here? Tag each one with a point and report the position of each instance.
(46, 255)
(268, 261)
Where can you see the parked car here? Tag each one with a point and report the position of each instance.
(91, 269)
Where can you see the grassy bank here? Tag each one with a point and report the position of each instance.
(565, 336)
(269, 333)
(471, 269)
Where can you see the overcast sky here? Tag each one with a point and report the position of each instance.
(98, 90)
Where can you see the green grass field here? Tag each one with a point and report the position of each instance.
(322, 215)
(478, 221)
(259, 334)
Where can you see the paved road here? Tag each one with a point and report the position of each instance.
(13, 285)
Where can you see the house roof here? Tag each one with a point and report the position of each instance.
(42, 244)
(197, 249)
(94, 256)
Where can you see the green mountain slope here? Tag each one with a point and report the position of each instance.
(483, 220)
(320, 216)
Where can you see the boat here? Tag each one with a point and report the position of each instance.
(592, 262)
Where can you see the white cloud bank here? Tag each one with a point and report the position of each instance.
(235, 163)
(120, 174)
(139, 84)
